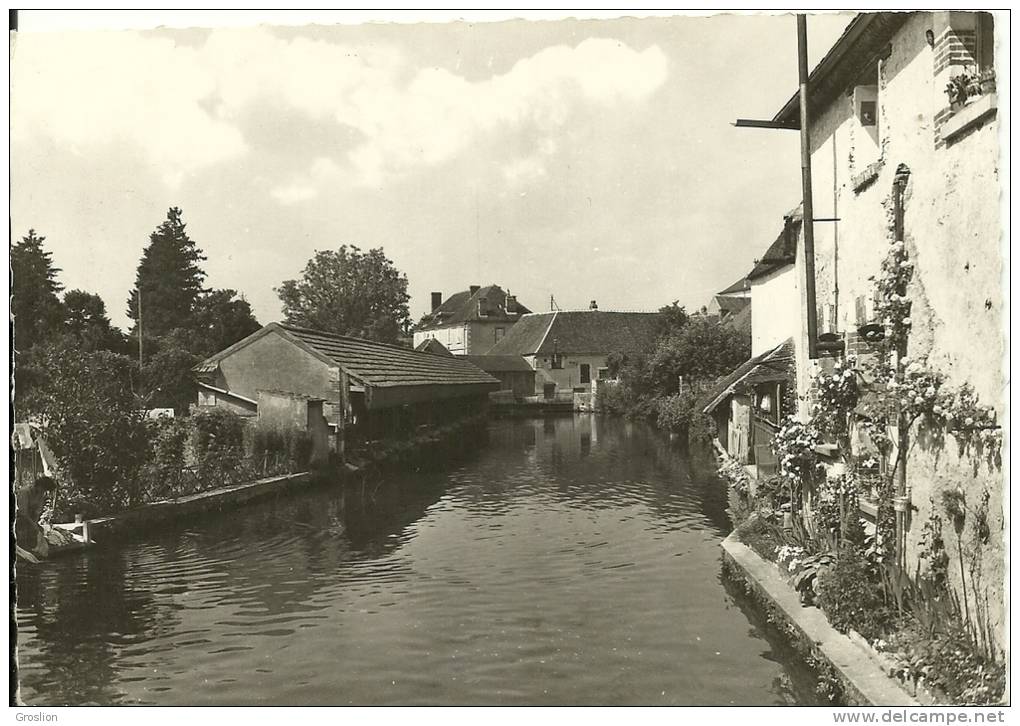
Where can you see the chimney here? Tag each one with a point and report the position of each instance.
(437, 300)
(474, 289)
(593, 306)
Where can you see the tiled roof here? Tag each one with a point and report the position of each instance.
(462, 307)
(740, 285)
(499, 363)
(780, 253)
(732, 304)
(370, 363)
(772, 365)
(865, 37)
(381, 365)
(595, 332)
(740, 321)
(433, 346)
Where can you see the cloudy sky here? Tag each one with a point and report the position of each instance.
(580, 159)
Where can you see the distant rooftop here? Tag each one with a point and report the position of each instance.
(577, 332)
(489, 303)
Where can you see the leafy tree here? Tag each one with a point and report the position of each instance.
(38, 313)
(221, 320)
(86, 321)
(349, 292)
(90, 418)
(167, 379)
(169, 279)
(674, 317)
(701, 350)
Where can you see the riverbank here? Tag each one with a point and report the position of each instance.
(424, 449)
(848, 674)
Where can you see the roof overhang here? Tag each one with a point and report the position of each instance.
(865, 39)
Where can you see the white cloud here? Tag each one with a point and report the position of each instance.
(92, 89)
(181, 106)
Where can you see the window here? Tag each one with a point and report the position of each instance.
(585, 373)
(603, 374)
(557, 361)
(984, 52)
(497, 334)
(866, 136)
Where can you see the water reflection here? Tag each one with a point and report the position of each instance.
(574, 560)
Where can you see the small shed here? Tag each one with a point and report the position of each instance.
(512, 371)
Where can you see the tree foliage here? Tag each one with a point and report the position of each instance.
(349, 292)
(169, 278)
(167, 380)
(91, 420)
(86, 321)
(35, 303)
(221, 319)
(701, 350)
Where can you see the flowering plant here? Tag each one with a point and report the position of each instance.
(838, 395)
(892, 305)
(794, 446)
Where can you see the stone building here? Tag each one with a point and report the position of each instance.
(370, 389)
(470, 322)
(897, 158)
(570, 349)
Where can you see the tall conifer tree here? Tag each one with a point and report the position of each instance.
(169, 278)
(38, 312)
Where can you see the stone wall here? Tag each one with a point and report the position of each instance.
(952, 229)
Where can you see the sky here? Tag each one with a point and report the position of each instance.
(576, 159)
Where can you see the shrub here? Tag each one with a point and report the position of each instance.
(277, 450)
(163, 473)
(851, 596)
(91, 420)
(217, 442)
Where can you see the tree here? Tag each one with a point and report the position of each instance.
(349, 292)
(701, 350)
(169, 279)
(674, 317)
(86, 321)
(220, 321)
(167, 379)
(38, 313)
(91, 420)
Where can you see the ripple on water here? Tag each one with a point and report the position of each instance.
(572, 561)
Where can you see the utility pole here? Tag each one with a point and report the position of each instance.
(805, 171)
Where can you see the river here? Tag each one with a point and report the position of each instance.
(570, 561)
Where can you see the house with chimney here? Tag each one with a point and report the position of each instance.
(569, 349)
(470, 322)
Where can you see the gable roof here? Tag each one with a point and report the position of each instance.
(782, 252)
(741, 285)
(500, 363)
(462, 307)
(433, 346)
(740, 321)
(732, 305)
(597, 332)
(772, 365)
(863, 40)
(373, 364)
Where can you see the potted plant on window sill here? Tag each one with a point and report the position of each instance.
(958, 89)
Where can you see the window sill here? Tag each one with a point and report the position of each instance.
(970, 116)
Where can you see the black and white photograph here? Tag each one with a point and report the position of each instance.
(510, 358)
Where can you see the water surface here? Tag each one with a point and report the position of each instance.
(569, 561)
